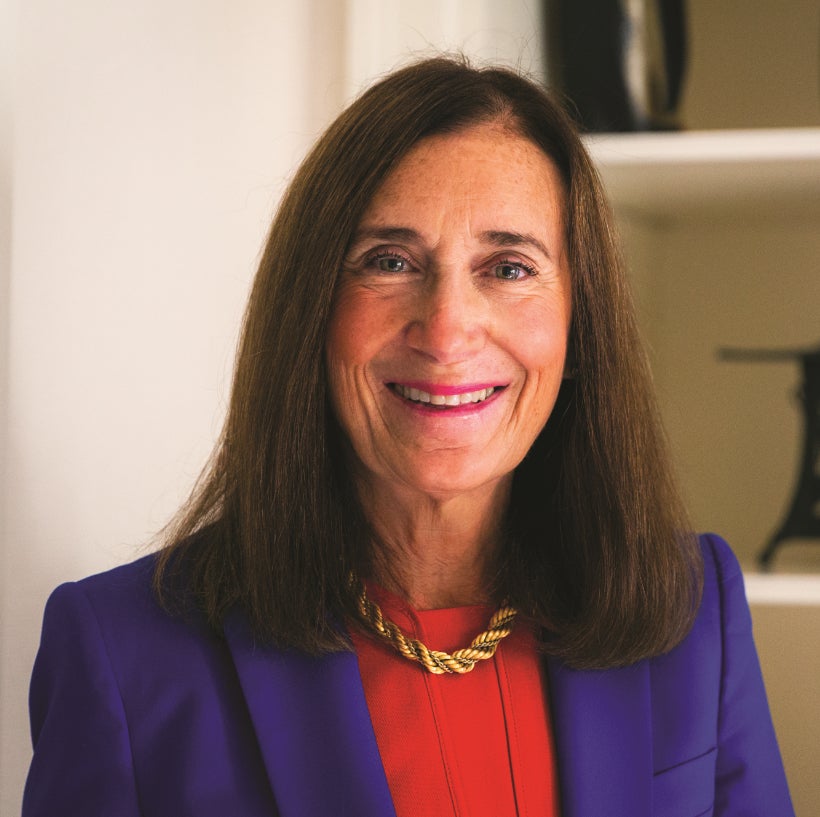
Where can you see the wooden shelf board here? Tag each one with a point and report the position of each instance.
(791, 589)
(684, 173)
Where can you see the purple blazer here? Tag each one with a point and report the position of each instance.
(134, 712)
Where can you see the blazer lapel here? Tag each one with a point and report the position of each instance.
(313, 728)
(603, 737)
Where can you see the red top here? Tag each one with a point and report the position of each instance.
(473, 745)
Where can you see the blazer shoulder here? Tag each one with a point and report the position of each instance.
(720, 562)
(724, 591)
(115, 597)
(129, 580)
(724, 699)
(121, 607)
(126, 696)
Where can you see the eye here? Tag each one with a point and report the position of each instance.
(388, 262)
(513, 270)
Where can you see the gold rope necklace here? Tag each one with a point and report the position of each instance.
(461, 661)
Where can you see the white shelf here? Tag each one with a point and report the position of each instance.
(790, 589)
(661, 175)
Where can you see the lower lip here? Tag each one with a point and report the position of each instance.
(448, 411)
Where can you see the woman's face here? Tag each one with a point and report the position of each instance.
(448, 337)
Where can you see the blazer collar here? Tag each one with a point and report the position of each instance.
(319, 749)
(313, 728)
(602, 723)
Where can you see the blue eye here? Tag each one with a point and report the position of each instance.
(391, 264)
(509, 271)
(388, 263)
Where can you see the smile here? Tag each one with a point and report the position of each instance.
(447, 400)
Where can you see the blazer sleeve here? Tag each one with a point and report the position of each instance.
(82, 763)
(750, 779)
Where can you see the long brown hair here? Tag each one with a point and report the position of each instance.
(598, 546)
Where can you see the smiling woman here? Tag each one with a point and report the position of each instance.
(438, 563)
(447, 343)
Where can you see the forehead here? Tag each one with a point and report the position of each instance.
(483, 167)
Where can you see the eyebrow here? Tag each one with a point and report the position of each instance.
(386, 234)
(504, 238)
(500, 238)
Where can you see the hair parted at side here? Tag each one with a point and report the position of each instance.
(599, 550)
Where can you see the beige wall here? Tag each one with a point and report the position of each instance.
(753, 64)
(787, 639)
(736, 428)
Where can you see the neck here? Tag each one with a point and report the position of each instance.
(437, 551)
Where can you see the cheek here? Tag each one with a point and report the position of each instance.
(346, 347)
(358, 327)
(358, 334)
(543, 335)
(543, 356)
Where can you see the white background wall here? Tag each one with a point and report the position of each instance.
(143, 147)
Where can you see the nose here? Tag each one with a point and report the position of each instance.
(449, 320)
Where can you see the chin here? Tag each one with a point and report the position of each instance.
(449, 483)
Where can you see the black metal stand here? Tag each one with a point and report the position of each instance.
(802, 521)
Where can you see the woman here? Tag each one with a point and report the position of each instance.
(438, 564)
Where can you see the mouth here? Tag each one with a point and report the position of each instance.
(438, 400)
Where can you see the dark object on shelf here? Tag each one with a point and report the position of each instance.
(620, 62)
(802, 520)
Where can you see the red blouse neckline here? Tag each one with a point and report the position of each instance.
(474, 745)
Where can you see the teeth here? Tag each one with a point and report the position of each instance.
(419, 396)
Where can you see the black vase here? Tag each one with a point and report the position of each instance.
(620, 63)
